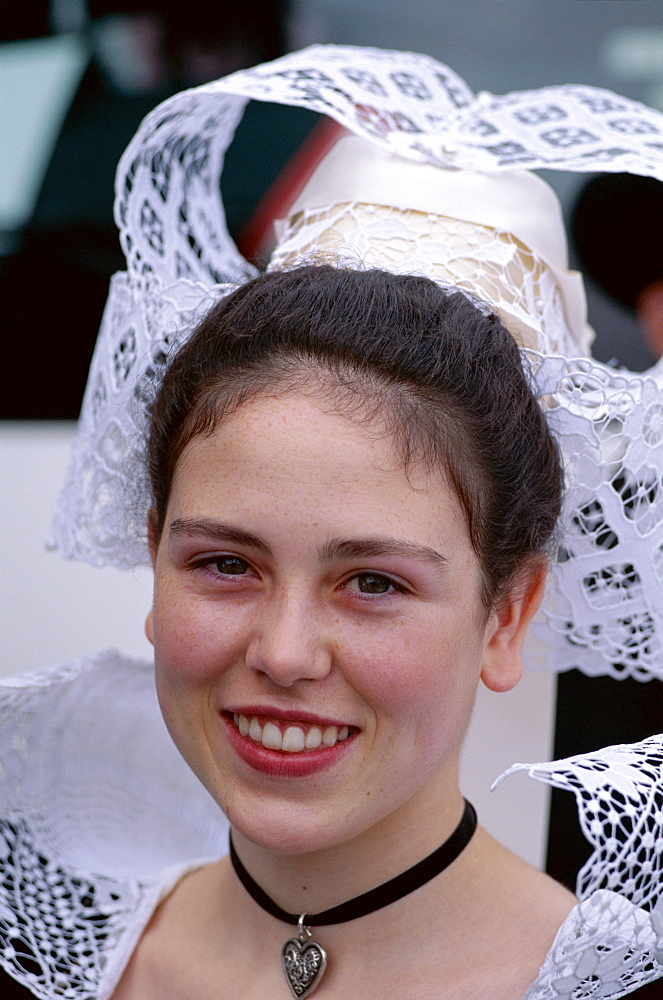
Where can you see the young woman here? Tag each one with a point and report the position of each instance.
(346, 536)
(352, 493)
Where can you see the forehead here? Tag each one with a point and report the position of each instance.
(295, 458)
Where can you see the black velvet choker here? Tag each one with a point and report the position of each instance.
(304, 960)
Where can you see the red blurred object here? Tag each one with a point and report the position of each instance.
(256, 239)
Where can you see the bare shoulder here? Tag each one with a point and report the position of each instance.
(523, 911)
(198, 946)
(171, 952)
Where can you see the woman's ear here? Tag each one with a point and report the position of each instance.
(502, 661)
(149, 628)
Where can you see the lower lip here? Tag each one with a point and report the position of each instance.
(279, 763)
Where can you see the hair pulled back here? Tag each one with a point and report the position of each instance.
(443, 376)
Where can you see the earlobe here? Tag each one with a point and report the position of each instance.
(149, 628)
(502, 661)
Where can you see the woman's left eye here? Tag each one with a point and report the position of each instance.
(373, 584)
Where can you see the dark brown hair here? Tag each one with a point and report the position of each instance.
(440, 373)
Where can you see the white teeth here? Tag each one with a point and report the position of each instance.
(271, 736)
(313, 738)
(294, 739)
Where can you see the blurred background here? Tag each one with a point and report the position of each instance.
(76, 77)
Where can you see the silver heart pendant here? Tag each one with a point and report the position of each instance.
(304, 963)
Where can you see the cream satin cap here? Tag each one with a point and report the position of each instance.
(515, 202)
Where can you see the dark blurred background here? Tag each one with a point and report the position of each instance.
(76, 78)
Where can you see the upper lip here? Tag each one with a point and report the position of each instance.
(292, 715)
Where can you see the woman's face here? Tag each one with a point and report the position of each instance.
(309, 591)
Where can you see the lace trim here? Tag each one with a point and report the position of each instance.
(594, 958)
(604, 602)
(86, 851)
(604, 608)
(613, 941)
(491, 265)
(55, 927)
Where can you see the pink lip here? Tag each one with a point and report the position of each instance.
(278, 763)
(281, 715)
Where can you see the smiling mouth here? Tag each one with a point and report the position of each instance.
(291, 737)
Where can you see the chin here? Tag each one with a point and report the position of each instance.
(287, 828)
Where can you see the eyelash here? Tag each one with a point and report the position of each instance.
(208, 564)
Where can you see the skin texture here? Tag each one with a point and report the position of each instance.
(288, 609)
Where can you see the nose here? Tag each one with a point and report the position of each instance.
(288, 643)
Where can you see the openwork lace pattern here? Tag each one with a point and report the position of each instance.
(101, 513)
(605, 594)
(96, 805)
(168, 206)
(604, 608)
(55, 926)
(614, 941)
(489, 264)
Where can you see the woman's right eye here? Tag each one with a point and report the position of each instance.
(230, 565)
(222, 566)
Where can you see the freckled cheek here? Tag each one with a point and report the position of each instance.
(397, 685)
(416, 685)
(192, 647)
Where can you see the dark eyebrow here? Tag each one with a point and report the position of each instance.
(366, 548)
(337, 548)
(217, 531)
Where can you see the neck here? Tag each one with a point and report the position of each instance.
(316, 880)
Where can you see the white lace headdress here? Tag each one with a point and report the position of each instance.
(603, 611)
